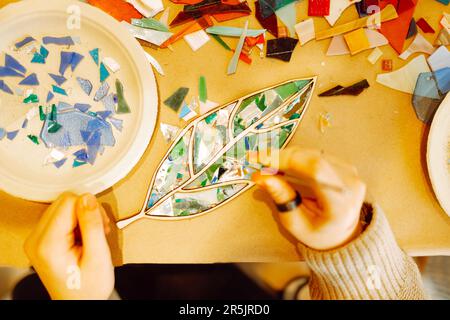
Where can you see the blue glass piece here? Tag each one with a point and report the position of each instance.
(24, 42)
(63, 106)
(25, 124)
(102, 91)
(83, 107)
(31, 80)
(12, 63)
(57, 78)
(76, 59)
(60, 41)
(104, 114)
(94, 54)
(85, 85)
(59, 90)
(442, 77)
(109, 103)
(66, 61)
(12, 135)
(50, 96)
(44, 52)
(96, 124)
(60, 163)
(426, 98)
(4, 87)
(81, 155)
(2, 133)
(93, 145)
(38, 58)
(66, 142)
(185, 110)
(117, 123)
(104, 73)
(9, 72)
(85, 135)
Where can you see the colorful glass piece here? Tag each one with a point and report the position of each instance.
(104, 73)
(85, 85)
(71, 59)
(281, 48)
(117, 123)
(169, 132)
(442, 77)
(197, 39)
(363, 7)
(58, 164)
(375, 55)
(202, 89)
(439, 59)
(82, 107)
(353, 90)
(318, 8)
(148, 8)
(31, 80)
(4, 87)
(32, 98)
(176, 99)
(269, 23)
(412, 30)
(336, 8)
(220, 41)
(150, 23)
(420, 44)
(305, 31)
(119, 9)
(9, 72)
(57, 78)
(187, 113)
(59, 90)
(122, 105)
(232, 65)
(427, 97)
(77, 163)
(53, 127)
(268, 7)
(424, 26)
(11, 135)
(94, 53)
(27, 40)
(233, 31)
(102, 91)
(2, 134)
(153, 36)
(11, 62)
(357, 41)
(387, 65)
(38, 58)
(288, 15)
(60, 41)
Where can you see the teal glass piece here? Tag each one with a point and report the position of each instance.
(104, 73)
(44, 52)
(173, 171)
(149, 23)
(38, 58)
(176, 99)
(77, 163)
(59, 90)
(122, 105)
(233, 31)
(53, 127)
(53, 113)
(202, 89)
(95, 55)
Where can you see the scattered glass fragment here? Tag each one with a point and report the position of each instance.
(104, 73)
(305, 31)
(9, 72)
(111, 64)
(4, 87)
(150, 23)
(85, 85)
(164, 18)
(233, 31)
(148, 8)
(38, 58)
(169, 132)
(44, 52)
(153, 36)
(31, 80)
(32, 113)
(102, 92)
(53, 127)
(197, 39)
(54, 156)
(404, 79)
(232, 65)
(154, 63)
(375, 55)
(442, 77)
(58, 164)
(117, 123)
(94, 53)
(281, 48)
(110, 103)
(427, 97)
(12, 63)
(354, 89)
(268, 7)
(25, 124)
(122, 105)
(2, 133)
(387, 65)
(443, 38)
(202, 89)
(336, 8)
(269, 23)
(424, 26)
(58, 79)
(32, 98)
(104, 114)
(176, 99)
(59, 90)
(24, 42)
(439, 59)
(11, 135)
(324, 121)
(82, 107)
(288, 14)
(71, 59)
(282, 32)
(61, 41)
(221, 42)
(187, 113)
(77, 163)
(357, 41)
(420, 44)
(412, 30)
(318, 8)
(81, 155)
(64, 106)
(119, 9)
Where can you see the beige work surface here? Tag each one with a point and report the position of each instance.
(377, 131)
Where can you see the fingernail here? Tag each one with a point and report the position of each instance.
(90, 202)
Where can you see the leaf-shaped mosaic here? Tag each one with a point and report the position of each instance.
(210, 162)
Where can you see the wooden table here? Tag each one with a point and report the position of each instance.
(377, 131)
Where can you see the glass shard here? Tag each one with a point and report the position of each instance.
(11, 135)
(269, 23)
(375, 55)
(202, 89)
(150, 23)
(169, 132)
(305, 31)
(58, 79)
(102, 91)
(357, 41)
(122, 105)
(176, 99)
(9, 72)
(352, 90)
(31, 80)
(85, 85)
(4, 87)
(12, 63)
(412, 30)
(221, 42)
(420, 44)
(24, 42)
(117, 123)
(232, 65)
(153, 36)
(110, 103)
(59, 90)
(288, 14)
(94, 53)
(318, 8)
(111, 64)
(281, 48)
(427, 97)
(61, 41)
(424, 26)
(196, 39)
(233, 31)
(104, 73)
(32, 98)
(439, 59)
(58, 164)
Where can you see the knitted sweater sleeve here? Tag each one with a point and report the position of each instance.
(371, 266)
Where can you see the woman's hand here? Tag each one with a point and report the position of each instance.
(69, 251)
(328, 219)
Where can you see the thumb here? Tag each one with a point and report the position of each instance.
(92, 230)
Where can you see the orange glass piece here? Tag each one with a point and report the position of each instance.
(119, 9)
(199, 24)
(221, 17)
(190, 2)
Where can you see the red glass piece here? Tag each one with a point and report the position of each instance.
(424, 26)
(318, 8)
(118, 9)
(386, 65)
(270, 23)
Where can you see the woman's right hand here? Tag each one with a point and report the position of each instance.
(330, 218)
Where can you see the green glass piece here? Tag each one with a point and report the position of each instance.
(59, 90)
(261, 103)
(92, 113)
(287, 90)
(294, 116)
(53, 113)
(179, 150)
(176, 99)
(149, 23)
(33, 138)
(211, 118)
(202, 90)
(77, 163)
(220, 41)
(122, 105)
(42, 115)
(32, 98)
(104, 73)
(179, 176)
(54, 127)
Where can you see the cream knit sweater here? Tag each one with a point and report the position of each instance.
(370, 267)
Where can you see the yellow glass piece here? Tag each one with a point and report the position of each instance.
(357, 41)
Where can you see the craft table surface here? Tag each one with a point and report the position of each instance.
(376, 131)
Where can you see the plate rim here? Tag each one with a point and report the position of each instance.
(150, 98)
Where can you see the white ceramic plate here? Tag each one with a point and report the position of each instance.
(21, 171)
(438, 154)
